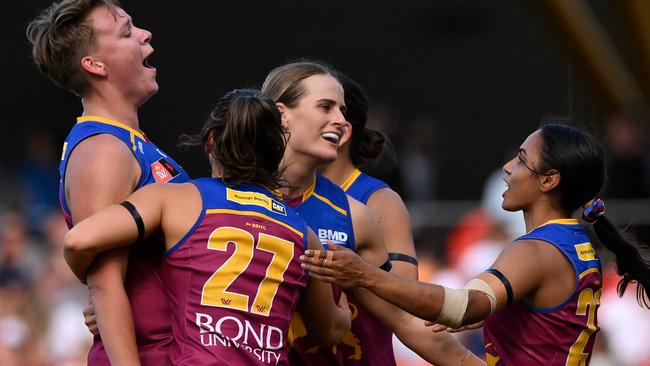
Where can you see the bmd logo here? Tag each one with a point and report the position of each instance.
(336, 236)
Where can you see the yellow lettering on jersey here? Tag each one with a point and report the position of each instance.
(585, 252)
(254, 198)
(491, 360)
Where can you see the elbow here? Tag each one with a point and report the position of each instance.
(339, 330)
(73, 243)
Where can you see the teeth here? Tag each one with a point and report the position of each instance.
(332, 137)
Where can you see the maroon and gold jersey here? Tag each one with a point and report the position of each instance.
(564, 335)
(235, 278)
(143, 284)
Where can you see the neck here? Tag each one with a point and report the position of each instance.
(540, 213)
(339, 170)
(299, 174)
(109, 106)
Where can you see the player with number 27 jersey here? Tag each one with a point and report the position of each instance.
(235, 278)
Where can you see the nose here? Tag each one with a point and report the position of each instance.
(339, 119)
(507, 167)
(146, 36)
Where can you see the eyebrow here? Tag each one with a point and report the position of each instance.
(127, 23)
(332, 102)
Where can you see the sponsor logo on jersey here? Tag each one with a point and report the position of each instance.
(257, 199)
(265, 342)
(140, 147)
(163, 171)
(585, 252)
(337, 237)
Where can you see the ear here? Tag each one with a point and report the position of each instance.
(209, 144)
(347, 134)
(93, 66)
(549, 182)
(284, 114)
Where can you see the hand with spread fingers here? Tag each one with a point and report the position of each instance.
(339, 265)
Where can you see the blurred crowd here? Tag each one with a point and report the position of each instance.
(41, 302)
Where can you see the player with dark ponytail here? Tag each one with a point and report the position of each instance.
(231, 267)
(540, 298)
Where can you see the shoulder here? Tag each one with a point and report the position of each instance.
(537, 255)
(103, 145)
(386, 198)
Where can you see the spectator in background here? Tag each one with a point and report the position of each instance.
(38, 177)
(20, 257)
(66, 339)
(629, 173)
(418, 159)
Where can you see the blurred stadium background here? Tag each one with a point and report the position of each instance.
(456, 84)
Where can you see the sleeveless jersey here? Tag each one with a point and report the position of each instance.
(361, 186)
(374, 340)
(235, 278)
(325, 209)
(564, 335)
(142, 284)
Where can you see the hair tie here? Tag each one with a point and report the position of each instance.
(593, 210)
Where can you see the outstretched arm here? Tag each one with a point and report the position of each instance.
(326, 322)
(438, 348)
(520, 263)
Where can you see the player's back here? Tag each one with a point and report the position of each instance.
(235, 278)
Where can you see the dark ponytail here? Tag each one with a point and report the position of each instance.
(580, 160)
(244, 135)
(366, 145)
(632, 258)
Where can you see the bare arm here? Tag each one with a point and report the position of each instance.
(326, 322)
(367, 235)
(522, 263)
(395, 224)
(113, 227)
(437, 348)
(102, 171)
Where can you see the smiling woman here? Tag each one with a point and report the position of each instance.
(540, 298)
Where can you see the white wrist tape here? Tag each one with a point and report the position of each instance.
(454, 306)
(482, 286)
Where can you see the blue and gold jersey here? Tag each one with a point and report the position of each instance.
(143, 284)
(361, 186)
(521, 334)
(155, 165)
(326, 210)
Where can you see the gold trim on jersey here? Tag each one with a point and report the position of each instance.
(310, 192)
(111, 122)
(337, 208)
(65, 147)
(557, 221)
(252, 213)
(351, 179)
(588, 271)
